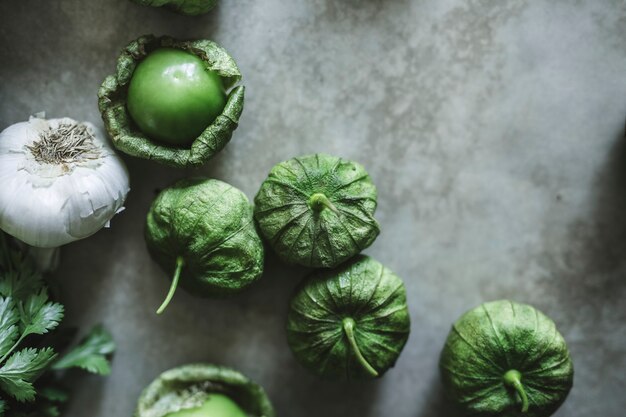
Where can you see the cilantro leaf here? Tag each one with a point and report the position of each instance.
(91, 353)
(25, 309)
(9, 331)
(21, 369)
(38, 315)
(19, 283)
(18, 388)
(19, 276)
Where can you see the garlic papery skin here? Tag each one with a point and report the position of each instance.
(60, 181)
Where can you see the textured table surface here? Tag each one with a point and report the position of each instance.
(493, 129)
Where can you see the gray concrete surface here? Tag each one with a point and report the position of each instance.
(493, 128)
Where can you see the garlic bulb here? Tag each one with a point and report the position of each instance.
(60, 181)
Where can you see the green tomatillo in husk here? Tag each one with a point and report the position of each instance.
(317, 210)
(504, 359)
(202, 232)
(351, 322)
(188, 7)
(172, 101)
(202, 390)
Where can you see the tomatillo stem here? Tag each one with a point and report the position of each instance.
(513, 379)
(180, 262)
(319, 202)
(348, 328)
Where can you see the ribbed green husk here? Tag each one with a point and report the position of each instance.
(129, 139)
(182, 388)
(188, 7)
(494, 338)
(301, 235)
(209, 224)
(362, 290)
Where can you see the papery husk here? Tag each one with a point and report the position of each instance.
(364, 292)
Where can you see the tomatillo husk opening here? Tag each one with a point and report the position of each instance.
(128, 138)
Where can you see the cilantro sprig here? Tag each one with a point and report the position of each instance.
(30, 369)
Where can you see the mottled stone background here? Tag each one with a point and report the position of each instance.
(493, 128)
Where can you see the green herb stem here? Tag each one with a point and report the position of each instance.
(348, 327)
(513, 379)
(180, 262)
(10, 351)
(319, 202)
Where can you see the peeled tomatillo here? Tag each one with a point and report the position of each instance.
(173, 97)
(216, 405)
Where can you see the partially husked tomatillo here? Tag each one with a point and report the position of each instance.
(174, 102)
(203, 390)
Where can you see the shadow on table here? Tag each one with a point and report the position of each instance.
(292, 385)
(85, 392)
(436, 404)
(315, 397)
(591, 269)
(587, 279)
(607, 243)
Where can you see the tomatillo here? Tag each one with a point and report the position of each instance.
(125, 133)
(216, 405)
(203, 390)
(173, 97)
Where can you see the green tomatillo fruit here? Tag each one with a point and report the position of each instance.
(172, 97)
(188, 7)
(504, 359)
(215, 405)
(317, 210)
(351, 322)
(201, 231)
(202, 390)
(174, 102)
